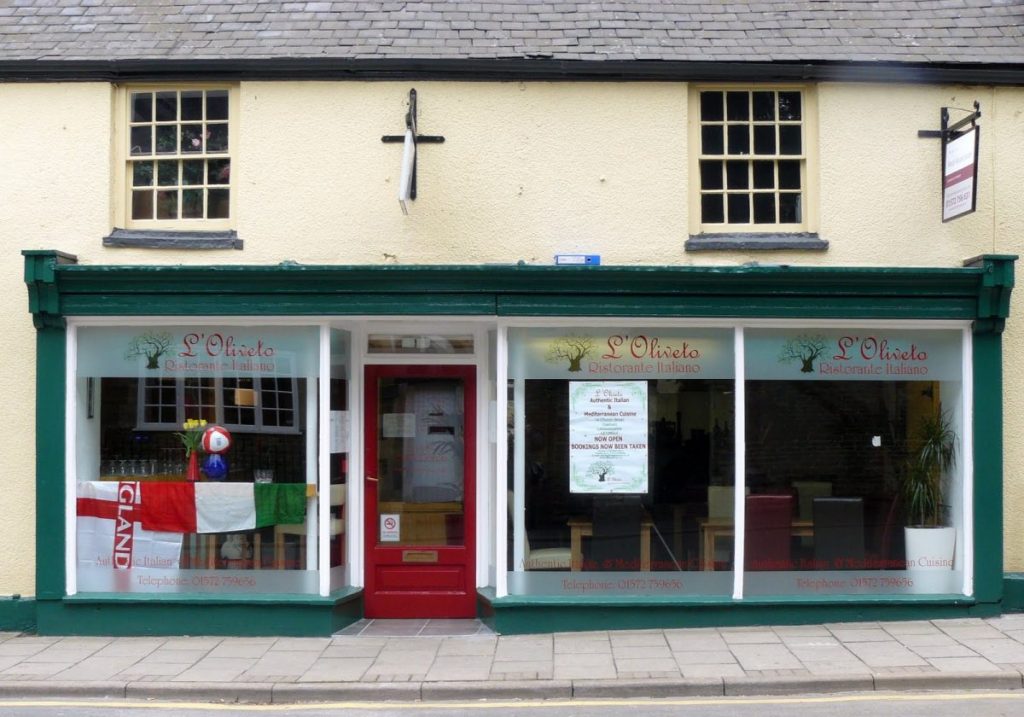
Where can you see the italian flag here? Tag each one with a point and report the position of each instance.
(196, 507)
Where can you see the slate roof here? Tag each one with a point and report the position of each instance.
(901, 31)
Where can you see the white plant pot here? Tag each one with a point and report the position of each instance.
(930, 548)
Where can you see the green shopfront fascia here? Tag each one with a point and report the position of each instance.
(569, 447)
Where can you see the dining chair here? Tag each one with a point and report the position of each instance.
(839, 533)
(769, 525)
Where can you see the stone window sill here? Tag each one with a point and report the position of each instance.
(748, 241)
(163, 239)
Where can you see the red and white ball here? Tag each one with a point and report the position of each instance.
(216, 439)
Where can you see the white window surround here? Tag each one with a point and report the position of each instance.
(491, 466)
(800, 234)
(965, 409)
(209, 170)
(358, 329)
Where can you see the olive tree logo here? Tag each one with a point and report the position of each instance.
(152, 345)
(600, 469)
(571, 348)
(805, 349)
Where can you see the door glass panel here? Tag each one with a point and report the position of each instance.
(420, 448)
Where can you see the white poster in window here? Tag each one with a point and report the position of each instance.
(398, 425)
(339, 431)
(390, 527)
(608, 436)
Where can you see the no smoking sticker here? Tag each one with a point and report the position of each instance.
(390, 527)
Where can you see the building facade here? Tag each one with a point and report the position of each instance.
(619, 342)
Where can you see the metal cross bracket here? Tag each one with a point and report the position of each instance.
(949, 131)
(410, 124)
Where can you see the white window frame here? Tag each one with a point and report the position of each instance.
(219, 408)
(965, 528)
(809, 189)
(124, 161)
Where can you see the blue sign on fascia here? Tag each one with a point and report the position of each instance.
(578, 259)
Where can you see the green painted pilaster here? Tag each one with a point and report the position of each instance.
(988, 466)
(41, 278)
(51, 345)
(997, 280)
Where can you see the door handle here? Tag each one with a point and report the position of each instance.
(371, 478)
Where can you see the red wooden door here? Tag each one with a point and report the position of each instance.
(420, 457)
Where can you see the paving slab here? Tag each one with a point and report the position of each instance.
(479, 647)
(96, 668)
(339, 651)
(731, 670)
(963, 664)
(884, 654)
(1001, 649)
(284, 663)
(738, 636)
(459, 668)
(855, 634)
(765, 657)
(937, 651)
(634, 667)
(341, 669)
(708, 657)
(702, 642)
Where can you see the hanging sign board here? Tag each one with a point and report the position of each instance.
(608, 436)
(959, 174)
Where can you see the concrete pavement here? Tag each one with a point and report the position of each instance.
(461, 660)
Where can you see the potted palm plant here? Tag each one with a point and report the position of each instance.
(929, 543)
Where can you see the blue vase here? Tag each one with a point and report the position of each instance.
(215, 466)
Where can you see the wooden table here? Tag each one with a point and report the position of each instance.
(711, 529)
(580, 528)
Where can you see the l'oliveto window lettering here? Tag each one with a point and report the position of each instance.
(845, 355)
(204, 352)
(237, 351)
(637, 352)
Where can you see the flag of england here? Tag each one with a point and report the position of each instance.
(111, 533)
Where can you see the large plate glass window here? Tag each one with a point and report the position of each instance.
(245, 523)
(620, 456)
(851, 436)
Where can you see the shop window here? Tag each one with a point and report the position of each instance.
(621, 462)
(178, 146)
(245, 523)
(837, 423)
(752, 170)
(242, 404)
(621, 449)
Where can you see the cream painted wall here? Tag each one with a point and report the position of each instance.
(528, 170)
(55, 160)
(1006, 135)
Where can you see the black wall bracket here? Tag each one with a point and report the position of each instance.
(950, 131)
(410, 124)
